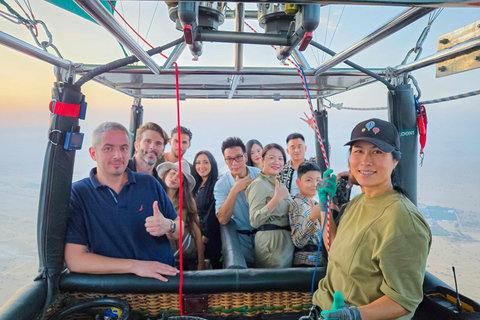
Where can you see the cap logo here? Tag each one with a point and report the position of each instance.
(363, 130)
(370, 125)
(376, 130)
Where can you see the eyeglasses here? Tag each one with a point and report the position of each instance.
(237, 158)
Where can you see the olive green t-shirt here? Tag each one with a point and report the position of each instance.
(380, 248)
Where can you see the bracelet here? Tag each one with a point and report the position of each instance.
(173, 227)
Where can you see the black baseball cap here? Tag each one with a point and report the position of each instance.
(381, 133)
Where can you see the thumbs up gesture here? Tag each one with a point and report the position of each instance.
(281, 192)
(157, 225)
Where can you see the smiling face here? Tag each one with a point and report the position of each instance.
(308, 183)
(150, 147)
(185, 142)
(296, 148)
(111, 152)
(172, 179)
(236, 161)
(203, 166)
(273, 162)
(371, 168)
(256, 154)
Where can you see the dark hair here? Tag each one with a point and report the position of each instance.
(249, 147)
(306, 167)
(232, 142)
(211, 179)
(183, 130)
(396, 155)
(188, 203)
(154, 127)
(271, 146)
(295, 135)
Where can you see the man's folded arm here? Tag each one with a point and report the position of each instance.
(79, 260)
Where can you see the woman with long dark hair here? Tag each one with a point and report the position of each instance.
(206, 175)
(193, 249)
(254, 153)
(269, 202)
(379, 251)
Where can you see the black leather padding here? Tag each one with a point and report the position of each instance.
(196, 282)
(26, 303)
(232, 253)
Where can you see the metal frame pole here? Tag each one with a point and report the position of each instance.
(321, 116)
(440, 56)
(21, 46)
(354, 65)
(239, 20)
(402, 20)
(242, 37)
(136, 120)
(100, 14)
(230, 70)
(176, 53)
(302, 61)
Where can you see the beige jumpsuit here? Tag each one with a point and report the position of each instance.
(273, 248)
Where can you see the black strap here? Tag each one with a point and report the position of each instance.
(247, 232)
(270, 227)
(307, 248)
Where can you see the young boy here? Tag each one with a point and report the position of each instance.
(304, 221)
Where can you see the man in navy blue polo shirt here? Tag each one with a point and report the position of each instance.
(120, 221)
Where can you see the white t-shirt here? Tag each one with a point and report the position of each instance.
(294, 189)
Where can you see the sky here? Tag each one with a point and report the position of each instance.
(25, 84)
(449, 177)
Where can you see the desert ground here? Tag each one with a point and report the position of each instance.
(19, 261)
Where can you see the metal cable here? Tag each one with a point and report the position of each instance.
(10, 17)
(31, 24)
(455, 97)
(339, 106)
(326, 32)
(139, 14)
(15, 13)
(336, 27)
(29, 7)
(357, 109)
(21, 7)
(151, 21)
(421, 39)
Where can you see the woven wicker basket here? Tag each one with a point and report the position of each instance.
(219, 304)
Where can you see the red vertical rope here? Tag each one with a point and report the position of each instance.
(324, 153)
(179, 139)
(180, 241)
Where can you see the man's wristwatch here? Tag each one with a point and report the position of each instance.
(173, 227)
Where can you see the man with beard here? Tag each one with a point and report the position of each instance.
(149, 146)
(119, 221)
(185, 141)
